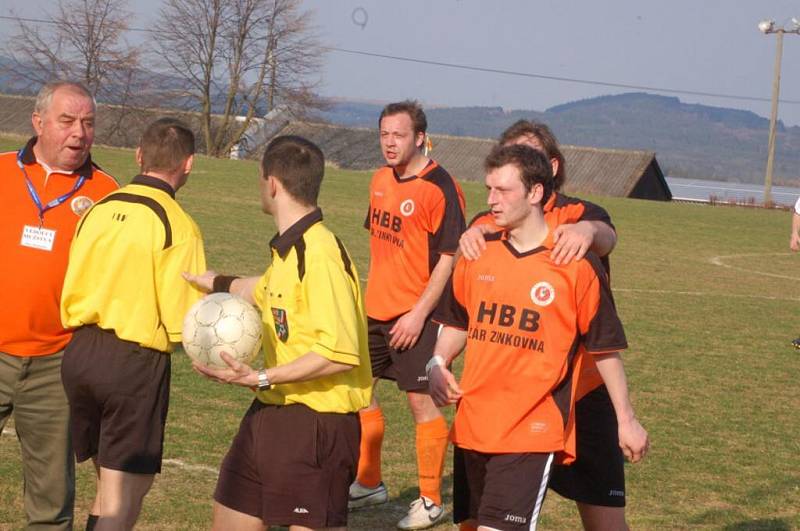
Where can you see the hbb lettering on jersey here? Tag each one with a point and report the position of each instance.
(386, 219)
(507, 315)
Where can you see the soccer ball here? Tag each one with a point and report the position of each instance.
(221, 322)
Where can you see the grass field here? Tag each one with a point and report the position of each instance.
(709, 298)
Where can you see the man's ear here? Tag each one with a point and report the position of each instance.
(273, 184)
(187, 166)
(419, 141)
(36, 122)
(536, 194)
(139, 157)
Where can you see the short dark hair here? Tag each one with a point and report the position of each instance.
(298, 164)
(165, 145)
(414, 111)
(534, 167)
(546, 138)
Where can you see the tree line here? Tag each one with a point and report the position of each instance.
(232, 61)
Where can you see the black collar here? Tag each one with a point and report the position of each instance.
(412, 177)
(28, 157)
(518, 254)
(153, 182)
(283, 243)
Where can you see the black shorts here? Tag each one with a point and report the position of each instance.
(118, 394)
(291, 465)
(406, 367)
(597, 476)
(502, 491)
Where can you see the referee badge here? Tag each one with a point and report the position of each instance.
(281, 323)
(81, 204)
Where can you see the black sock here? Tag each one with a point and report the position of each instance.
(91, 521)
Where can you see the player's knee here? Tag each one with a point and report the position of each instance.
(422, 407)
(599, 518)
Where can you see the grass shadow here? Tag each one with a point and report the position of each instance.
(762, 524)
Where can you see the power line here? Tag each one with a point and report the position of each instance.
(559, 78)
(515, 73)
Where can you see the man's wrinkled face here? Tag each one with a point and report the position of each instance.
(65, 130)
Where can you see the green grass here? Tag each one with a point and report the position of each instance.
(712, 374)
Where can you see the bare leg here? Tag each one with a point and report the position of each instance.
(121, 495)
(226, 518)
(422, 407)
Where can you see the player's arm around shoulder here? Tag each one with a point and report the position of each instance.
(571, 241)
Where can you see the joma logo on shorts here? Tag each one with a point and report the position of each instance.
(613, 492)
(515, 519)
(300, 510)
(422, 378)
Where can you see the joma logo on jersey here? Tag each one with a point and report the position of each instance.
(507, 315)
(386, 219)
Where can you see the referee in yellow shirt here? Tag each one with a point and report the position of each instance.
(124, 295)
(296, 452)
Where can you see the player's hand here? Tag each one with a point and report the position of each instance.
(203, 282)
(237, 373)
(443, 386)
(472, 243)
(633, 440)
(794, 242)
(406, 331)
(571, 241)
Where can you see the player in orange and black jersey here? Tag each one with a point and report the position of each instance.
(596, 480)
(415, 217)
(525, 322)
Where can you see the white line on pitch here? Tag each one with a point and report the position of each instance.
(718, 261)
(705, 294)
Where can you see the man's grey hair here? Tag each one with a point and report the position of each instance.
(45, 96)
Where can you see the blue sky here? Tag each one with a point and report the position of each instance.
(708, 46)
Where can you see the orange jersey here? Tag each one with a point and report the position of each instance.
(558, 210)
(31, 278)
(526, 319)
(411, 223)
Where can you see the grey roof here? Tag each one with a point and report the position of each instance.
(596, 171)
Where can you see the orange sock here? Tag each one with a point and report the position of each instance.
(431, 450)
(369, 463)
(467, 526)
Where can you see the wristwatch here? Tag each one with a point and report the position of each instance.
(263, 380)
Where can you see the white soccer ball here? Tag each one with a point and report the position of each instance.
(221, 322)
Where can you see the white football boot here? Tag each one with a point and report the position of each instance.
(361, 496)
(422, 514)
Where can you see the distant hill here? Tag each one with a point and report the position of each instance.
(690, 140)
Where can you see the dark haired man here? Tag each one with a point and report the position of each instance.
(296, 452)
(527, 324)
(124, 296)
(596, 479)
(415, 216)
(45, 189)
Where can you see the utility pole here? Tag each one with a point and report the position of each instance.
(767, 27)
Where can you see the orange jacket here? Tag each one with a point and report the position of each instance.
(31, 278)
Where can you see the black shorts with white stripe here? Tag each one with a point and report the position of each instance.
(501, 491)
